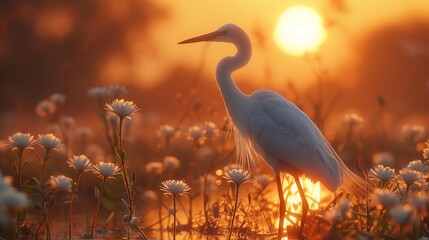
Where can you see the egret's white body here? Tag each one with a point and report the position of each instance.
(269, 125)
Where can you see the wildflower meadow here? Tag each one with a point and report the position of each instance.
(57, 190)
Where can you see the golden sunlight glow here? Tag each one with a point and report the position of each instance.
(299, 30)
(313, 193)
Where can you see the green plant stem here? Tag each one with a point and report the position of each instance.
(72, 202)
(130, 197)
(233, 212)
(125, 176)
(406, 194)
(70, 217)
(36, 237)
(142, 233)
(18, 173)
(97, 208)
(381, 220)
(54, 211)
(160, 216)
(205, 199)
(127, 187)
(189, 179)
(121, 121)
(174, 217)
(20, 153)
(42, 183)
(105, 123)
(123, 170)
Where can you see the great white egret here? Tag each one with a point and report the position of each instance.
(268, 125)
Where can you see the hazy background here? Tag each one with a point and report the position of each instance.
(373, 49)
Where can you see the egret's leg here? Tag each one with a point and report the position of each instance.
(282, 207)
(304, 204)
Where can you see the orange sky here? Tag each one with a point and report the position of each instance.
(194, 17)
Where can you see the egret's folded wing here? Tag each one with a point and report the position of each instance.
(288, 138)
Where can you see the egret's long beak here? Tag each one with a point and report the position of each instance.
(204, 37)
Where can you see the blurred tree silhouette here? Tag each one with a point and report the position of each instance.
(56, 46)
(393, 63)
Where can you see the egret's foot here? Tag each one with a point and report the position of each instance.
(293, 232)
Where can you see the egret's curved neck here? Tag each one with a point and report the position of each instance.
(235, 100)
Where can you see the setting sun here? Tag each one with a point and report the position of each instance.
(299, 30)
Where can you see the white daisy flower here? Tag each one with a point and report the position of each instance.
(264, 180)
(401, 214)
(45, 108)
(339, 213)
(352, 119)
(106, 170)
(9, 196)
(175, 187)
(80, 163)
(410, 176)
(210, 129)
(171, 163)
(98, 92)
(121, 108)
(167, 131)
(381, 173)
(61, 183)
(154, 168)
(58, 98)
(385, 199)
(117, 90)
(420, 201)
(49, 141)
(20, 141)
(237, 176)
(418, 165)
(67, 121)
(412, 130)
(13, 199)
(196, 132)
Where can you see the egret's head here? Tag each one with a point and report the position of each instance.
(227, 33)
